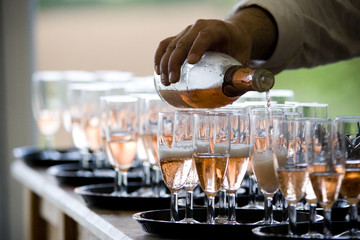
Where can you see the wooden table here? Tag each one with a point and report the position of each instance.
(56, 212)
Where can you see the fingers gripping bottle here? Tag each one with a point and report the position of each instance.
(215, 81)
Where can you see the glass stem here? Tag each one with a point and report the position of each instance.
(327, 222)
(147, 173)
(252, 197)
(189, 210)
(268, 210)
(222, 203)
(121, 183)
(157, 181)
(211, 210)
(232, 210)
(353, 219)
(85, 159)
(312, 226)
(99, 159)
(285, 211)
(292, 219)
(174, 211)
(117, 182)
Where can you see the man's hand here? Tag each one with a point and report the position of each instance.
(240, 36)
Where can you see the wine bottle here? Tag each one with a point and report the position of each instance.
(215, 81)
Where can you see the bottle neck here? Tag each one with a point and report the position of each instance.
(239, 80)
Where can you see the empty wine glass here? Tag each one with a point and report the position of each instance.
(261, 155)
(326, 166)
(311, 109)
(211, 154)
(47, 104)
(238, 160)
(349, 128)
(290, 164)
(122, 133)
(175, 154)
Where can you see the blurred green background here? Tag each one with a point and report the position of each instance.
(336, 84)
(100, 34)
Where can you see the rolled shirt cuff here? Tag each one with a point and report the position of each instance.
(290, 38)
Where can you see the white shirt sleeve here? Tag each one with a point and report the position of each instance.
(310, 33)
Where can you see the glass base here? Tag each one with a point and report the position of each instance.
(232, 223)
(221, 219)
(312, 235)
(252, 206)
(349, 234)
(189, 220)
(263, 222)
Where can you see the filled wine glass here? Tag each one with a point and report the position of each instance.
(175, 151)
(152, 105)
(326, 165)
(192, 180)
(349, 128)
(74, 96)
(91, 118)
(290, 164)
(122, 133)
(47, 104)
(73, 77)
(238, 161)
(261, 155)
(211, 154)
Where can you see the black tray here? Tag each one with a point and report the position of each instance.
(71, 174)
(281, 232)
(34, 156)
(99, 196)
(158, 222)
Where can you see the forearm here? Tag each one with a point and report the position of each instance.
(260, 26)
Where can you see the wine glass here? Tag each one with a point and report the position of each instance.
(349, 128)
(74, 95)
(72, 77)
(211, 154)
(175, 154)
(311, 109)
(91, 118)
(149, 127)
(290, 164)
(261, 155)
(122, 133)
(238, 160)
(47, 104)
(326, 166)
(192, 180)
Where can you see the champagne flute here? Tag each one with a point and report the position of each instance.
(192, 180)
(326, 166)
(71, 77)
(175, 155)
(74, 95)
(261, 154)
(149, 127)
(122, 133)
(290, 164)
(311, 109)
(349, 128)
(47, 104)
(238, 161)
(91, 118)
(211, 154)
